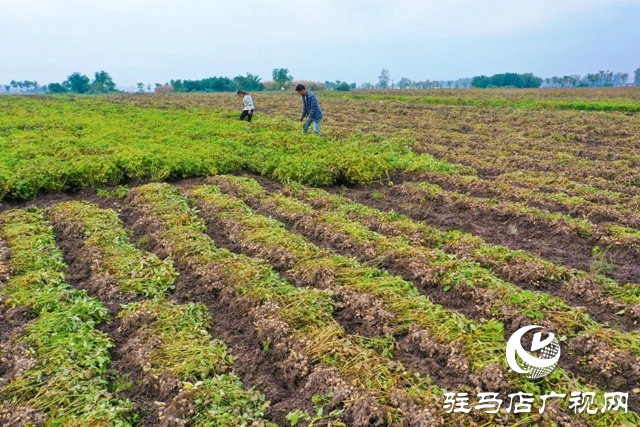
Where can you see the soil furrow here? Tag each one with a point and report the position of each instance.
(14, 358)
(225, 211)
(160, 373)
(58, 379)
(11, 319)
(611, 369)
(234, 322)
(359, 313)
(84, 273)
(283, 371)
(581, 292)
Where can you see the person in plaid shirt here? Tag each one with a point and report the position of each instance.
(311, 112)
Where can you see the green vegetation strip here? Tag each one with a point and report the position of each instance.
(67, 381)
(57, 143)
(447, 271)
(183, 346)
(484, 341)
(137, 272)
(306, 311)
(537, 104)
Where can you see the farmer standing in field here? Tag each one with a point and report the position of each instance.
(248, 105)
(311, 111)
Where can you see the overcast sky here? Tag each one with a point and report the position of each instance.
(157, 40)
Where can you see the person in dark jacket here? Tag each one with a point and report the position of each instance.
(311, 112)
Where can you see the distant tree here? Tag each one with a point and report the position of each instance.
(281, 77)
(620, 79)
(102, 82)
(78, 83)
(623, 78)
(310, 85)
(367, 85)
(575, 80)
(249, 82)
(605, 78)
(330, 85)
(56, 88)
(592, 79)
(480, 81)
(140, 87)
(26, 85)
(176, 84)
(527, 80)
(343, 87)
(404, 83)
(339, 83)
(636, 77)
(384, 79)
(7, 87)
(210, 84)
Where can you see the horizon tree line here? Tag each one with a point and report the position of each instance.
(103, 83)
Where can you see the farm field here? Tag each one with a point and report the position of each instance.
(164, 264)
